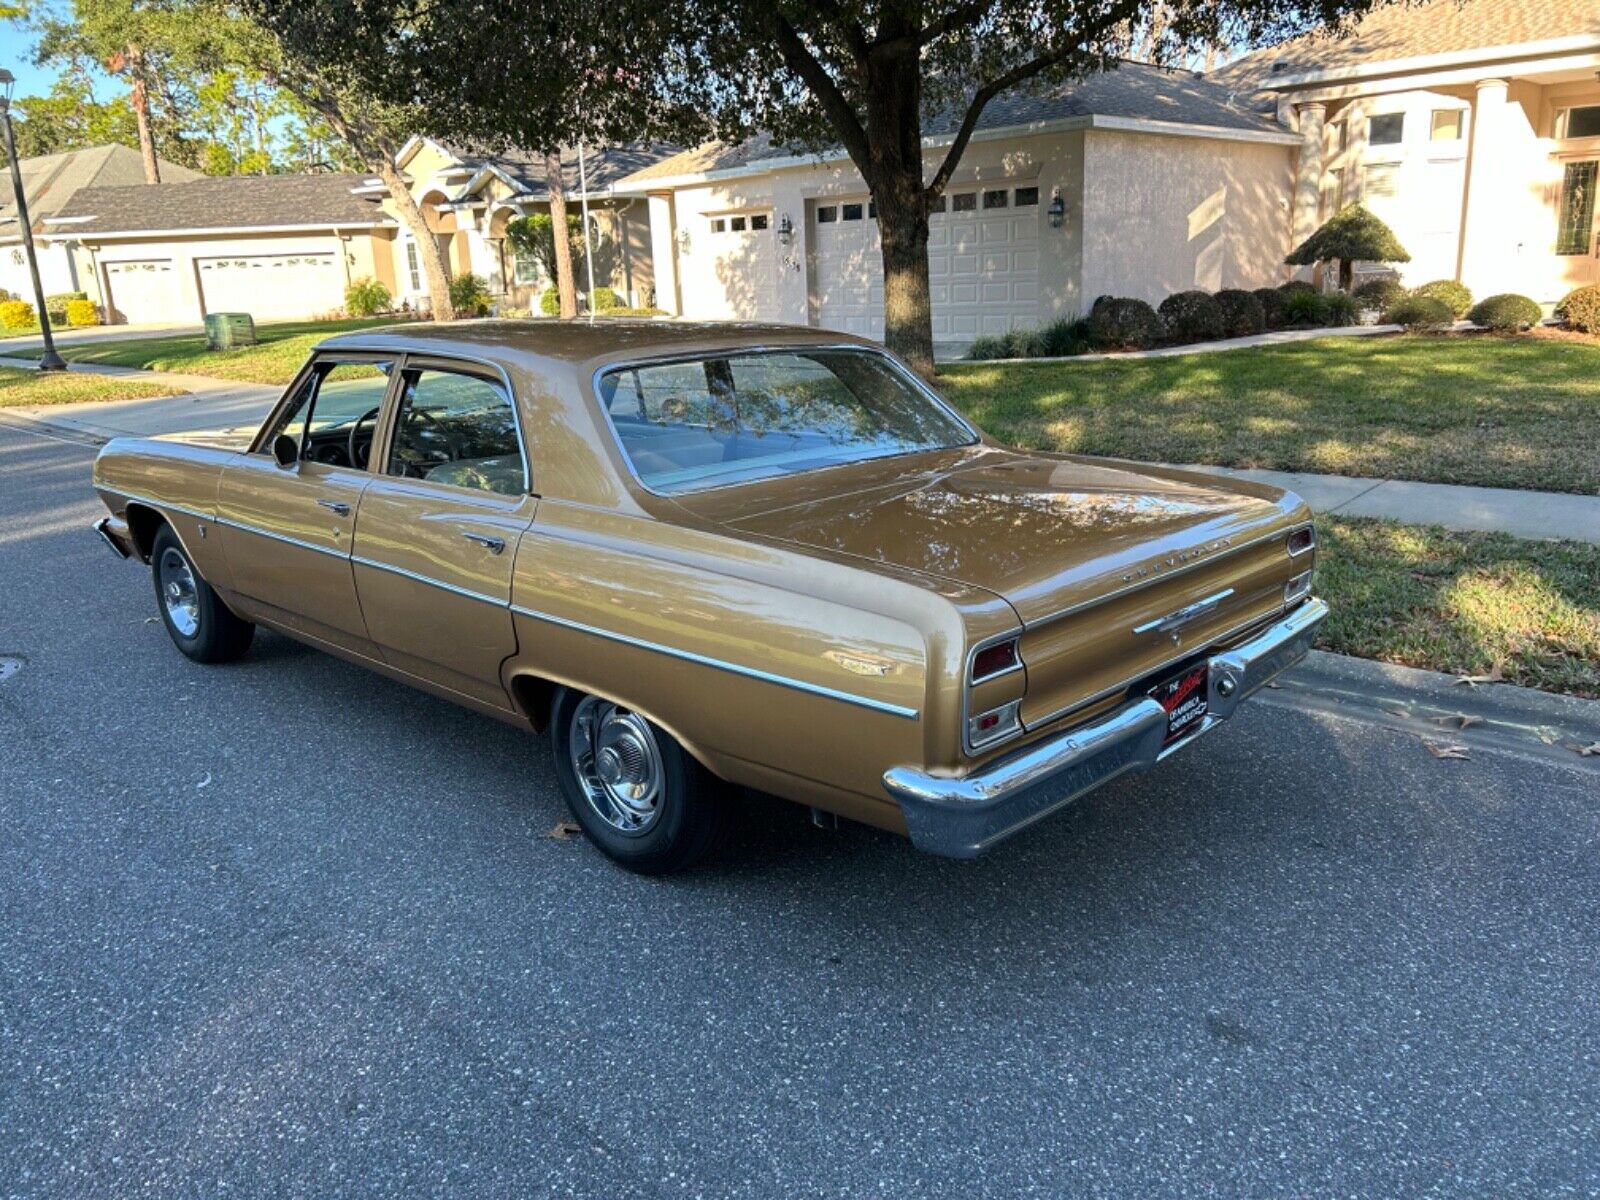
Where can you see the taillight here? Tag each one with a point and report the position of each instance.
(995, 660)
(1301, 540)
(994, 725)
(1297, 588)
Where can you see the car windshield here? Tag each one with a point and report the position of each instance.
(732, 418)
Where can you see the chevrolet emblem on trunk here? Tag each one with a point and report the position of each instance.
(1172, 624)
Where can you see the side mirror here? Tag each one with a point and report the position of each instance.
(285, 450)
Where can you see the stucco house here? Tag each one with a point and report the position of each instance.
(49, 182)
(1472, 129)
(274, 246)
(1138, 182)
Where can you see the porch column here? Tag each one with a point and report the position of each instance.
(1484, 232)
(1307, 178)
(664, 252)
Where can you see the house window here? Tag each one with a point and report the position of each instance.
(526, 269)
(1381, 183)
(996, 198)
(938, 206)
(1577, 208)
(852, 212)
(1446, 125)
(1578, 122)
(759, 221)
(827, 213)
(964, 202)
(1387, 129)
(736, 224)
(1027, 197)
(1341, 136)
(719, 225)
(1333, 192)
(412, 268)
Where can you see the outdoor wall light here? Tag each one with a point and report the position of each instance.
(683, 241)
(1057, 210)
(785, 231)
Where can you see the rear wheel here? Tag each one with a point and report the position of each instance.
(197, 620)
(639, 796)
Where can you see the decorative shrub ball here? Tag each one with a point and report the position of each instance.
(1242, 313)
(1296, 287)
(1457, 296)
(1192, 317)
(1381, 294)
(1580, 310)
(1506, 313)
(1124, 324)
(82, 312)
(1274, 306)
(1418, 313)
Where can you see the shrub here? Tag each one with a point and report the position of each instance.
(1307, 308)
(1065, 338)
(1457, 297)
(1350, 236)
(986, 346)
(1506, 313)
(603, 299)
(1296, 287)
(83, 312)
(1418, 313)
(1243, 313)
(1580, 310)
(17, 314)
(469, 295)
(56, 305)
(1192, 317)
(550, 302)
(1340, 308)
(1274, 307)
(1124, 324)
(1381, 294)
(366, 296)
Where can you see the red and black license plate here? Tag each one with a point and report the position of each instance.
(1184, 697)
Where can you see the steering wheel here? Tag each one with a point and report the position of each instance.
(411, 459)
(358, 460)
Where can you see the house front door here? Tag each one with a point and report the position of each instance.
(1577, 232)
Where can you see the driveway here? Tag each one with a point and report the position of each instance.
(283, 928)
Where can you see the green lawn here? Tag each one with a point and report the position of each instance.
(20, 387)
(280, 350)
(1493, 411)
(1465, 603)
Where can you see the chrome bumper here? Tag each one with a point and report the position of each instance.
(962, 817)
(115, 534)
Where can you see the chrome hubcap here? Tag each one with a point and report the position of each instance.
(178, 592)
(618, 764)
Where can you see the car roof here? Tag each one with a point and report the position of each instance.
(580, 340)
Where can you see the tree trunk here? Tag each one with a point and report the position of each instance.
(907, 311)
(1347, 274)
(140, 99)
(565, 288)
(427, 245)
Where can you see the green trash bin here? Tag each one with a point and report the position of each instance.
(227, 330)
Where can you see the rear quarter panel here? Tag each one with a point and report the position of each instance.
(139, 477)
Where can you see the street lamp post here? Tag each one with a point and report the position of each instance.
(49, 360)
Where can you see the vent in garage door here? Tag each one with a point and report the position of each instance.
(269, 286)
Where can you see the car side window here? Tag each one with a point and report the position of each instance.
(457, 428)
(333, 413)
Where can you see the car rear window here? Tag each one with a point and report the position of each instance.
(734, 418)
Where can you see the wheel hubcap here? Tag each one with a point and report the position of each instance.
(617, 760)
(178, 592)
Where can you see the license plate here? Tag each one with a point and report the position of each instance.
(1184, 697)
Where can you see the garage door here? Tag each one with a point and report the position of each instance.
(269, 286)
(146, 291)
(983, 264)
(729, 267)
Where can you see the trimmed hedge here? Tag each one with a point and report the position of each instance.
(1118, 323)
(1580, 309)
(1418, 313)
(1243, 314)
(1192, 316)
(82, 312)
(1274, 306)
(1381, 294)
(1456, 296)
(1506, 313)
(17, 314)
(1297, 287)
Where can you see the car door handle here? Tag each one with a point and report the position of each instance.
(338, 506)
(493, 545)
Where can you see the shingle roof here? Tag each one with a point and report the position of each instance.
(603, 167)
(226, 202)
(1435, 27)
(1134, 91)
(49, 181)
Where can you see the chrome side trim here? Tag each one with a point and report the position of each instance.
(799, 685)
(454, 589)
(135, 498)
(281, 537)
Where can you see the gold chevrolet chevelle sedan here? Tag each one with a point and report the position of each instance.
(704, 555)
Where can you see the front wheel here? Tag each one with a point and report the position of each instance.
(639, 796)
(200, 624)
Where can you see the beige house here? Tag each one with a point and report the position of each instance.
(1472, 129)
(468, 200)
(1139, 182)
(274, 246)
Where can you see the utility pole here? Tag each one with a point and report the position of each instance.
(49, 360)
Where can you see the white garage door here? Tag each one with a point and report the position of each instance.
(272, 286)
(729, 268)
(146, 291)
(983, 264)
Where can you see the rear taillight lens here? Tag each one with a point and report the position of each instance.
(1297, 588)
(1302, 540)
(995, 660)
(994, 725)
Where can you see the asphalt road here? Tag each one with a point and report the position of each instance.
(284, 928)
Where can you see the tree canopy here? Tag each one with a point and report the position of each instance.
(1351, 235)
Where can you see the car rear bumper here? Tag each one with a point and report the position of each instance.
(114, 533)
(962, 817)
